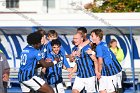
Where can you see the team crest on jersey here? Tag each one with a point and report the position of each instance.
(39, 54)
(45, 49)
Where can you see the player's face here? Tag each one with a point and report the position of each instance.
(43, 39)
(93, 37)
(77, 39)
(37, 46)
(50, 38)
(56, 49)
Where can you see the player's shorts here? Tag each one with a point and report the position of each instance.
(34, 83)
(60, 88)
(108, 83)
(88, 83)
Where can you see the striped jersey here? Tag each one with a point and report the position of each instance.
(28, 61)
(85, 65)
(43, 50)
(54, 74)
(110, 64)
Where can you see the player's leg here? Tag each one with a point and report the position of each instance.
(90, 84)
(46, 89)
(78, 85)
(103, 84)
(37, 84)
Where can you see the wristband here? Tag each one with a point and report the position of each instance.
(93, 53)
(55, 62)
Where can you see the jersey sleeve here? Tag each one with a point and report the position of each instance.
(62, 50)
(66, 62)
(99, 52)
(49, 48)
(38, 55)
(50, 56)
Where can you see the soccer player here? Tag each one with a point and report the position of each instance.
(108, 66)
(29, 59)
(47, 48)
(84, 66)
(83, 31)
(54, 74)
(52, 34)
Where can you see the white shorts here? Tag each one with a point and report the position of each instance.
(108, 83)
(60, 88)
(33, 83)
(88, 83)
(119, 79)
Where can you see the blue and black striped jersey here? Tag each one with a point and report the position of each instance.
(28, 61)
(110, 64)
(85, 65)
(54, 74)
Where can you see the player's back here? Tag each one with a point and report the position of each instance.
(29, 57)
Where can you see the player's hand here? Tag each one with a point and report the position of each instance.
(43, 70)
(72, 58)
(78, 53)
(48, 60)
(98, 75)
(5, 77)
(90, 52)
(57, 59)
(69, 69)
(70, 76)
(74, 53)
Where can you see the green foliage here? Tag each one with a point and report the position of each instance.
(117, 6)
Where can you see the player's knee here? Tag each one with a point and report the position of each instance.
(75, 91)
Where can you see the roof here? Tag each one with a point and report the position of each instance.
(70, 30)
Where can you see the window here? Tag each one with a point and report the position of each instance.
(49, 4)
(12, 3)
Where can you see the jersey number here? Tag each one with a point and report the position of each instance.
(23, 59)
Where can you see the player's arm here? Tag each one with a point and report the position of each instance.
(84, 44)
(74, 69)
(100, 62)
(46, 64)
(93, 57)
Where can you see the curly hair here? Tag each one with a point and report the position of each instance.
(34, 38)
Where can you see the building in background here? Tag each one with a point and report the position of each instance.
(41, 6)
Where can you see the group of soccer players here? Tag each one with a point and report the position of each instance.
(96, 66)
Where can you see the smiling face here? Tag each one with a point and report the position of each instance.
(56, 49)
(43, 39)
(94, 37)
(97, 36)
(77, 39)
(52, 37)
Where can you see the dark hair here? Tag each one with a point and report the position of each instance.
(41, 31)
(98, 32)
(83, 29)
(34, 38)
(55, 42)
(93, 46)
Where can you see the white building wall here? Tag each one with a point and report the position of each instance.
(61, 6)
